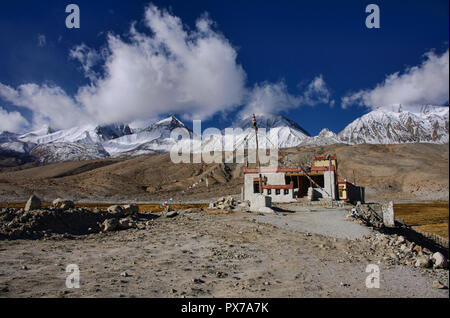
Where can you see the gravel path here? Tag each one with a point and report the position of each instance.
(324, 221)
(204, 255)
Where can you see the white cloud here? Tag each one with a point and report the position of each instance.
(170, 69)
(88, 58)
(173, 71)
(270, 98)
(12, 121)
(317, 92)
(166, 68)
(49, 104)
(427, 83)
(41, 40)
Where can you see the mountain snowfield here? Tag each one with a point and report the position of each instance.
(393, 125)
(153, 139)
(272, 130)
(325, 137)
(386, 125)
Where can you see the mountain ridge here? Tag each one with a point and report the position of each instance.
(383, 125)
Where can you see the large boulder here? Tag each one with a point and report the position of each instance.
(126, 224)
(33, 203)
(109, 225)
(423, 261)
(116, 210)
(439, 260)
(130, 209)
(63, 204)
(171, 214)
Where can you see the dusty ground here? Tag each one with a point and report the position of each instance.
(223, 255)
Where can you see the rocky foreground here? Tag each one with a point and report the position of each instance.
(214, 252)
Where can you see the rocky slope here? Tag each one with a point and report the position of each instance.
(393, 125)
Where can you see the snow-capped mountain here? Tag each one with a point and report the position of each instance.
(45, 130)
(325, 137)
(6, 136)
(287, 132)
(382, 126)
(392, 125)
(88, 134)
(273, 130)
(68, 151)
(155, 138)
(73, 144)
(10, 144)
(50, 145)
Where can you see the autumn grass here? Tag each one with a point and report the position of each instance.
(431, 217)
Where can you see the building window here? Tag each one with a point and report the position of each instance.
(269, 191)
(277, 191)
(256, 187)
(286, 191)
(341, 192)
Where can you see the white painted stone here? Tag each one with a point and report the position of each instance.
(260, 201)
(388, 214)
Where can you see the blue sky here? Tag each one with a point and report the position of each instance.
(282, 50)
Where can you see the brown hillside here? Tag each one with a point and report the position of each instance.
(401, 172)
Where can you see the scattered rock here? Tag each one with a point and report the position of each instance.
(126, 224)
(439, 260)
(109, 225)
(371, 214)
(116, 210)
(130, 209)
(124, 274)
(171, 214)
(221, 275)
(198, 281)
(63, 204)
(426, 251)
(227, 203)
(33, 203)
(394, 257)
(438, 285)
(423, 262)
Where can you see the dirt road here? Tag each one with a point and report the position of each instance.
(204, 255)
